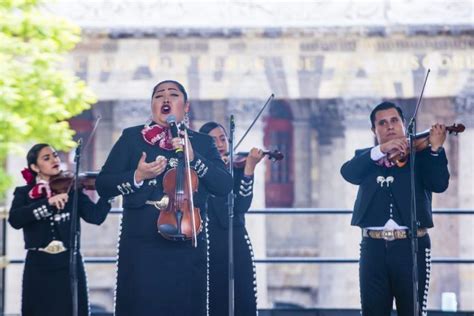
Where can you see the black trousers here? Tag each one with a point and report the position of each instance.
(385, 273)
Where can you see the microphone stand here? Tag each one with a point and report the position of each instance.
(75, 235)
(411, 130)
(230, 200)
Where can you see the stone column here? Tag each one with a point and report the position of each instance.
(302, 162)
(466, 200)
(293, 235)
(338, 283)
(445, 236)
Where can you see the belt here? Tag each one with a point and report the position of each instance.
(391, 234)
(53, 248)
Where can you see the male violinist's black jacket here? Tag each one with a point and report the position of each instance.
(432, 175)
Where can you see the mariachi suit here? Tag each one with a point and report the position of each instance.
(244, 269)
(46, 283)
(157, 276)
(385, 193)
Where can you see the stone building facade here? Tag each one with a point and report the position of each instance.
(326, 80)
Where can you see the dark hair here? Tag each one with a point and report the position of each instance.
(32, 155)
(209, 126)
(180, 88)
(385, 106)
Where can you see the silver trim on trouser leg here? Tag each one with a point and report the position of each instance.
(424, 304)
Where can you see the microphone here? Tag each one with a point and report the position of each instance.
(171, 120)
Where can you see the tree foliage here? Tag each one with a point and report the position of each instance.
(36, 95)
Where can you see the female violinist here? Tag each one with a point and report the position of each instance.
(44, 216)
(244, 269)
(160, 273)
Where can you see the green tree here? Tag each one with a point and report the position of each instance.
(36, 95)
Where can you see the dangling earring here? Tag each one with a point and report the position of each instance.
(186, 119)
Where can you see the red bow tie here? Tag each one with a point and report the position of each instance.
(385, 162)
(157, 134)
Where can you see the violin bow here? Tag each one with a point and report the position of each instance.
(255, 120)
(91, 135)
(190, 187)
(97, 120)
(410, 124)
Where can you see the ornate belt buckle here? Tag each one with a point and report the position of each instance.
(388, 235)
(54, 247)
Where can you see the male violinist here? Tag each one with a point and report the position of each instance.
(382, 211)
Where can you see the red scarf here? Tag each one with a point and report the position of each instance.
(40, 189)
(156, 134)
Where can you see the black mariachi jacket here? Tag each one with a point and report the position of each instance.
(431, 173)
(243, 192)
(117, 174)
(42, 223)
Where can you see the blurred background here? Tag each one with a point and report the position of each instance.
(328, 64)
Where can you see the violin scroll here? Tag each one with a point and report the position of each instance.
(241, 157)
(455, 128)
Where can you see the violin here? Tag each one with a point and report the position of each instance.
(64, 181)
(240, 158)
(421, 142)
(179, 220)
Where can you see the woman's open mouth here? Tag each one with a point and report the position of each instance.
(165, 109)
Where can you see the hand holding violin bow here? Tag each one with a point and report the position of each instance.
(397, 146)
(59, 200)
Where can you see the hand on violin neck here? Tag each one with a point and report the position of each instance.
(150, 170)
(254, 157)
(225, 159)
(394, 146)
(178, 142)
(59, 201)
(437, 136)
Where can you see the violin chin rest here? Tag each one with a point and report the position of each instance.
(171, 232)
(167, 229)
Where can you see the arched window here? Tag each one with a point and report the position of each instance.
(279, 175)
